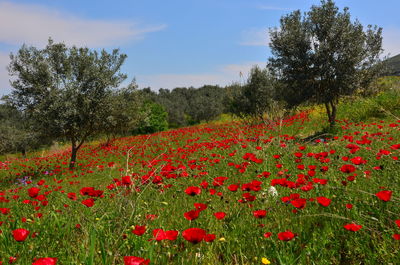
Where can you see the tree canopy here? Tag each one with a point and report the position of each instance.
(323, 55)
(65, 89)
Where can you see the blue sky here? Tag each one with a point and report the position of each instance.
(171, 43)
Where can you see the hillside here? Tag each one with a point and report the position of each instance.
(393, 65)
(227, 193)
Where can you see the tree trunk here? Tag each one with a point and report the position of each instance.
(74, 151)
(331, 112)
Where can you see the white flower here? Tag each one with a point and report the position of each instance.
(272, 191)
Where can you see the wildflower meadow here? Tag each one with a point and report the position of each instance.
(217, 193)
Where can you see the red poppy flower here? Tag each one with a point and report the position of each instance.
(396, 236)
(139, 230)
(45, 261)
(358, 160)
(192, 215)
(220, 215)
(72, 196)
(397, 223)
(233, 187)
(126, 180)
(324, 201)
(132, 260)
(384, 195)
(286, 236)
(268, 234)
(194, 235)
(88, 202)
(33, 192)
(5, 210)
(260, 213)
(348, 168)
(299, 203)
(151, 217)
(352, 227)
(200, 206)
(20, 234)
(193, 191)
(160, 234)
(209, 238)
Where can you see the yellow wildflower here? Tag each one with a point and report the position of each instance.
(265, 261)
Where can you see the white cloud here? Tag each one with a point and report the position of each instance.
(255, 37)
(391, 41)
(33, 24)
(273, 8)
(5, 87)
(222, 76)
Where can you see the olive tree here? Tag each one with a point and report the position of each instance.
(323, 55)
(257, 97)
(65, 89)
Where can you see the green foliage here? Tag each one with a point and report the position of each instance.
(65, 90)
(205, 103)
(16, 133)
(323, 55)
(188, 106)
(125, 113)
(154, 119)
(257, 97)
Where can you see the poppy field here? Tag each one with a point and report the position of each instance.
(222, 193)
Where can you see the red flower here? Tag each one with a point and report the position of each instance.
(151, 217)
(348, 168)
(324, 201)
(126, 180)
(5, 210)
(233, 187)
(268, 234)
(286, 236)
(358, 160)
(45, 261)
(192, 215)
(220, 215)
(20, 234)
(193, 191)
(200, 206)
(349, 206)
(194, 235)
(353, 227)
(72, 196)
(209, 238)
(139, 230)
(397, 223)
(160, 234)
(396, 236)
(260, 213)
(384, 195)
(88, 202)
(132, 260)
(33, 192)
(299, 203)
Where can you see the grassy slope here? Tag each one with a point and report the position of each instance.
(105, 234)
